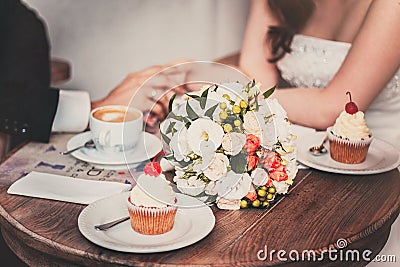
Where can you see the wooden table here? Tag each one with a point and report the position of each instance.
(320, 209)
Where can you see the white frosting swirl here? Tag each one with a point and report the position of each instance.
(351, 126)
(151, 191)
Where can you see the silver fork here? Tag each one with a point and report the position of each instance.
(105, 226)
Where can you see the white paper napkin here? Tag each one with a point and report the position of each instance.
(64, 188)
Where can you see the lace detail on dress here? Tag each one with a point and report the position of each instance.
(314, 61)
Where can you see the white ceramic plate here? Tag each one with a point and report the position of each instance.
(147, 148)
(381, 157)
(193, 222)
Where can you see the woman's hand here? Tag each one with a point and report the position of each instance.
(150, 91)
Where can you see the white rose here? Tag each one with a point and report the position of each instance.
(283, 129)
(274, 131)
(269, 135)
(217, 168)
(259, 176)
(191, 186)
(252, 124)
(277, 126)
(234, 185)
(292, 168)
(233, 143)
(228, 204)
(211, 188)
(281, 187)
(179, 144)
(204, 130)
(276, 108)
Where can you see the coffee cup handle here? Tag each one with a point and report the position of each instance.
(104, 138)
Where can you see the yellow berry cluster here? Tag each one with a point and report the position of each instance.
(265, 195)
(231, 117)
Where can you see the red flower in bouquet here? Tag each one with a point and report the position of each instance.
(252, 143)
(272, 160)
(269, 183)
(252, 162)
(252, 194)
(278, 174)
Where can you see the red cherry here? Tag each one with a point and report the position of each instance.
(351, 107)
(152, 168)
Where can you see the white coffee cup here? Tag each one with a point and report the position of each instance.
(116, 128)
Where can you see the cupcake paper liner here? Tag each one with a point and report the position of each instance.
(151, 220)
(348, 151)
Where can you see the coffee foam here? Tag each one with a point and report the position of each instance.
(114, 115)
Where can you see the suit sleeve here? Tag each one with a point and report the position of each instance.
(27, 103)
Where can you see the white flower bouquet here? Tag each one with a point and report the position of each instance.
(230, 144)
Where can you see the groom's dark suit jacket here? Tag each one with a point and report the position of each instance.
(27, 103)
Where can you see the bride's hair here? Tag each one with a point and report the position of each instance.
(292, 16)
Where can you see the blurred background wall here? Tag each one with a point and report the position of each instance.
(104, 40)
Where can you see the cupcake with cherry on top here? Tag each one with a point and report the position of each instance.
(349, 138)
(152, 202)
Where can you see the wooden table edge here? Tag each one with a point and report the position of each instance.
(14, 223)
(371, 229)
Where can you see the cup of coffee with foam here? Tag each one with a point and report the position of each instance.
(116, 128)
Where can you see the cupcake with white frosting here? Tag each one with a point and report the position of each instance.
(152, 204)
(350, 137)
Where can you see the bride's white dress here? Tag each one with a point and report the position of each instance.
(312, 63)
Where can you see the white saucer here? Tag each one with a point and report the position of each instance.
(147, 148)
(381, 157)
(191, 225)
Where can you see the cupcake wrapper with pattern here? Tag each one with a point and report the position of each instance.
(348, 151)
(151, 221)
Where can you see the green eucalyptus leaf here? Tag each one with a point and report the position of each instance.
(170, 127)
(205, 93)
(269, 92)
(196, 97)
(175, 117)
(209, 113)
(191, 113)
(239, 163)
(179, 118)
(171, 101)
(203, 102)
(165, 138)
(171, 157)
(203, 99)
(186, 120)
